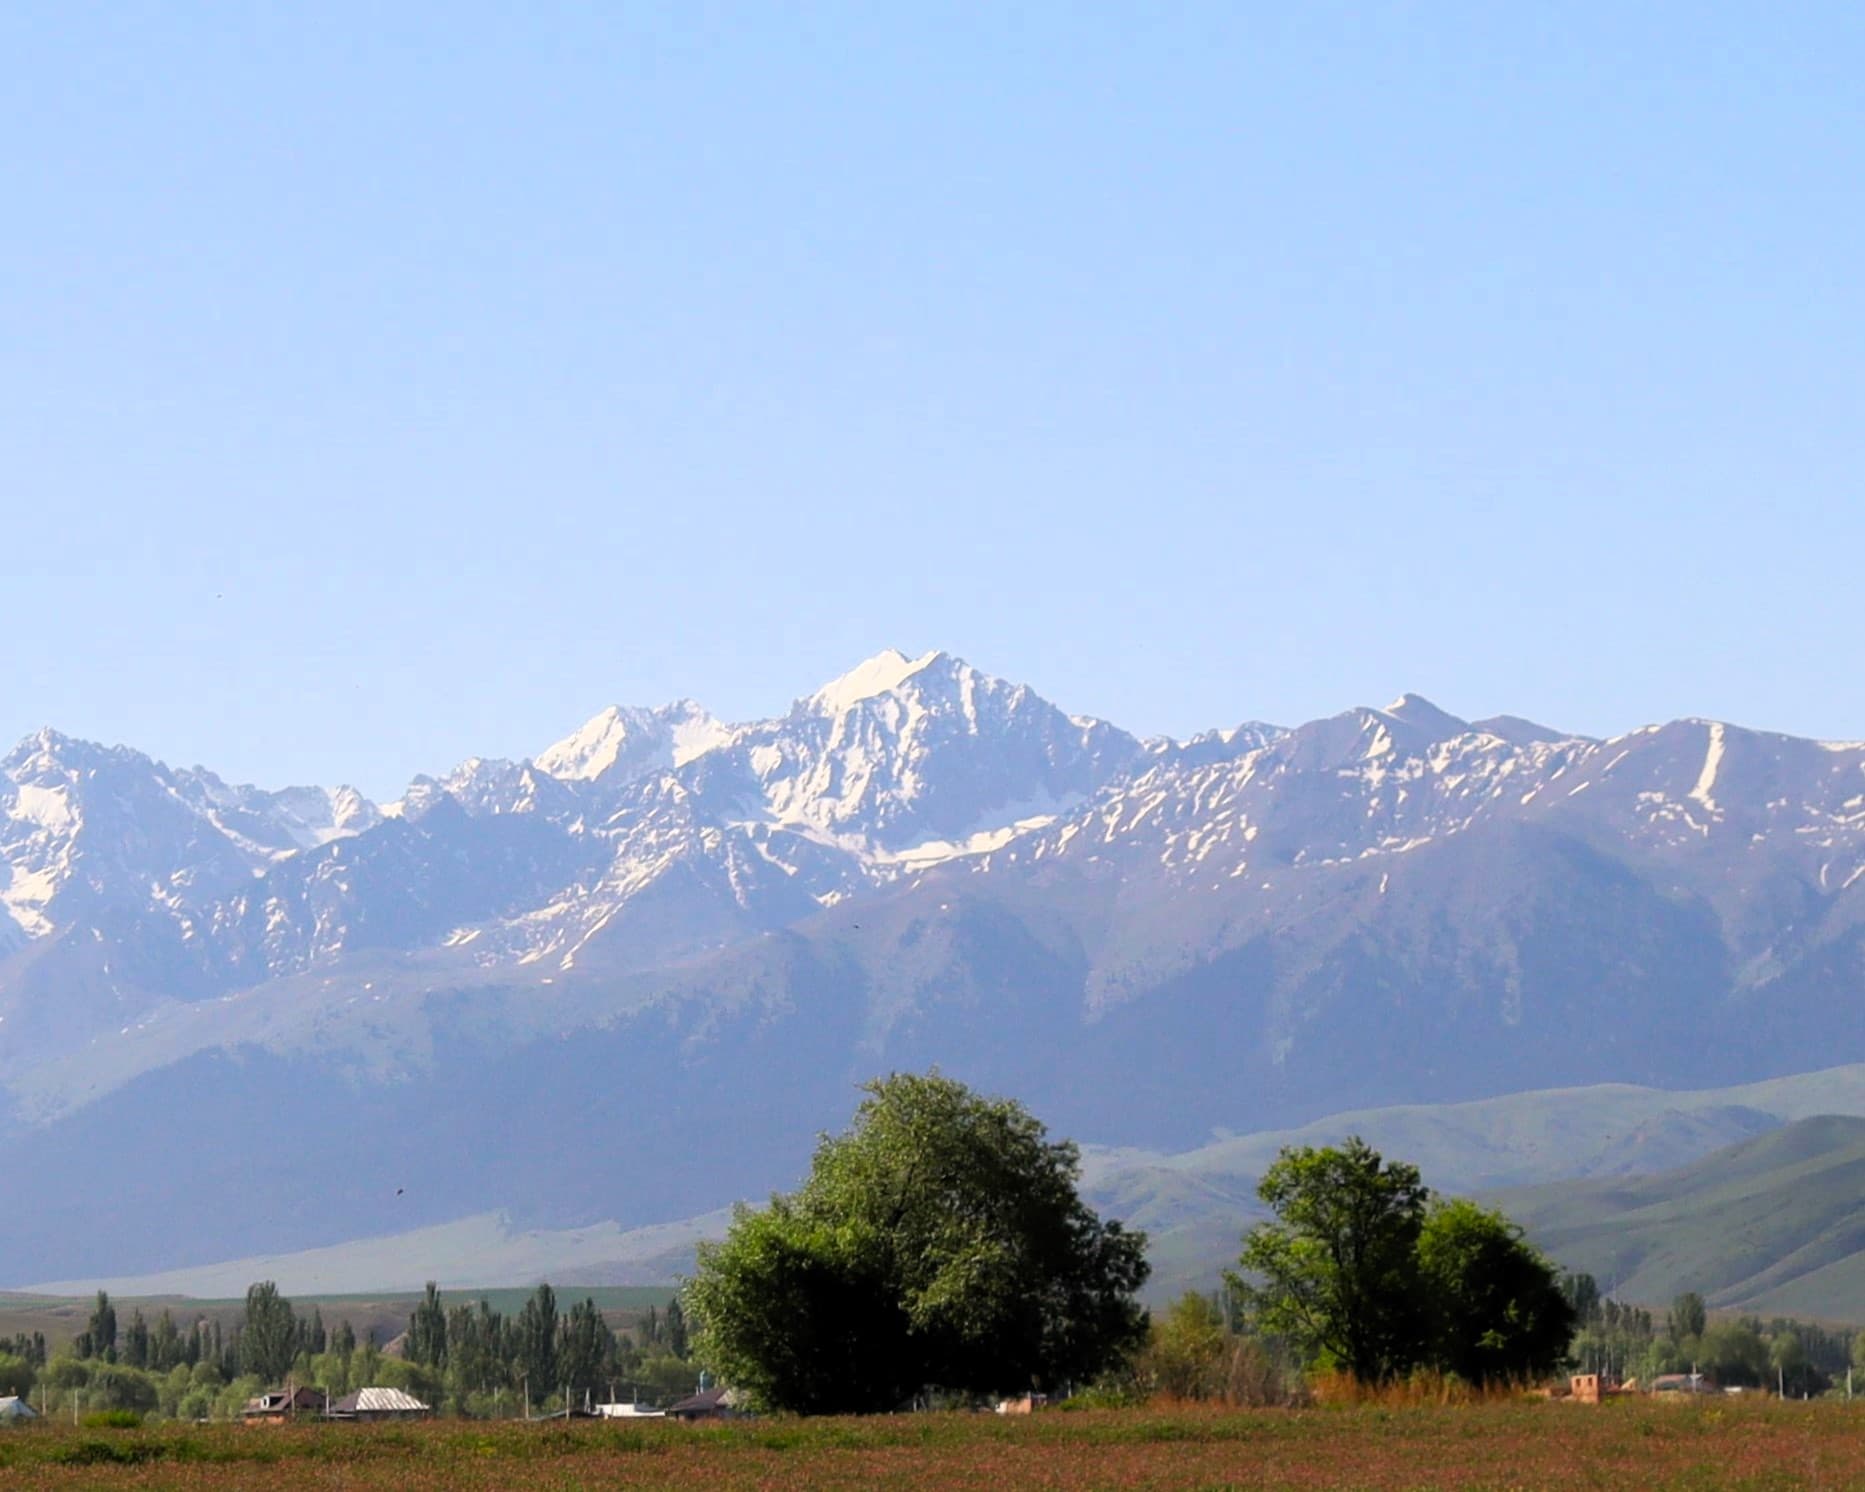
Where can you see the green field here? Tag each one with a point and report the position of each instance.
(1644, 1444)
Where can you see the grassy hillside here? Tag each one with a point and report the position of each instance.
(1773, 1224)
(1195, 1204)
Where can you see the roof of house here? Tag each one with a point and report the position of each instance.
(705, 1401)
(278, 1401)
(378, 1401)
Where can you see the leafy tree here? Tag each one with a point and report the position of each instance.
(136, 1342)
(1337, 1272)
(676, 1328)
(939, 1242)
(1582, 1293)
(268, 1335)
(537, 1343)
(101, 1331)
(1185, 1346)
(585, 1350)
(1688, 1316)
(1732, 1352)
(1498, 1311)
(427, 1330)
(16, 1375)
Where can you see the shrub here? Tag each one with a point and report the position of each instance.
(113, 1419)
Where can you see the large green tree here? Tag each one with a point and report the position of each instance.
(1337, 1271)
(939, 1243)
(427, 1330)
(1497, 1311)
(268, 1340)
(1368, 1273)
(537, 1344)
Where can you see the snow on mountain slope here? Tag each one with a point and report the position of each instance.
(666, 916)
(620, 745)
(1400, 844)
(902, 751)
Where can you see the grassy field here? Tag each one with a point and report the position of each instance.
(1529, 1444)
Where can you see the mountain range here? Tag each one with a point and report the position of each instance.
(634, 975)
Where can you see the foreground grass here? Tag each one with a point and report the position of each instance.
(1528, 1444)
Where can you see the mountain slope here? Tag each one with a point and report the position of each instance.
(1194, 1205)
(916, 863)
(1772, 1224)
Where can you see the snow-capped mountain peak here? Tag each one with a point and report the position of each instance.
(1421, 715)
(885, 672)
(620, 745)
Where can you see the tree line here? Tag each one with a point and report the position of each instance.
(1738, 1350)
(461, 1358)
(477, 1360)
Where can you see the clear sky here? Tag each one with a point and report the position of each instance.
(384, 384)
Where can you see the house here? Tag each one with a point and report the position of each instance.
(276, 1407)
(14, 1409)
(1682, 1383)
(628, 1411)
(708, 1403)
(368, 1404)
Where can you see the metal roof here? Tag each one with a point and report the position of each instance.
(378, 1401)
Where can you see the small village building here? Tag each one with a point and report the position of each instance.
(708, 1403)
(284, 1404)
(1682, 1383)
(628, 1411)
(15, 1410)
(368, 1404)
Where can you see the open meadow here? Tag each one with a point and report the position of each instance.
(1646, 1444)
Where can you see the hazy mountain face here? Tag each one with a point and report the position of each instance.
(662, 913)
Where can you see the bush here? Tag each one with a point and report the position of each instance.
(113, 1419)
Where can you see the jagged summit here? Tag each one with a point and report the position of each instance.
(619, 745)
(665, 915)
(885, 672)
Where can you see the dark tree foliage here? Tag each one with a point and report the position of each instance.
(427, 1330)
(268, 1334)
(585, 1351)
(135, 1352)
(1362, 1270)
(99, 1337)
(1337, 1272)
(1688, 1316)
(1497, 1311)
(537, 1343)
(939, 1243)
(28, 1346)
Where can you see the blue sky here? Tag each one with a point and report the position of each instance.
(377, 389)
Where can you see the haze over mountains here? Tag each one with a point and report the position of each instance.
(632, 977)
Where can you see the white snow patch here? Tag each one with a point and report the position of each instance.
(884, 672)
(934, 851)
(1712, 762)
